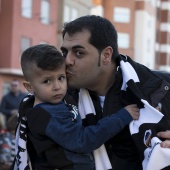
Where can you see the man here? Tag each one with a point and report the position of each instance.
(92, 59)
(10, 102)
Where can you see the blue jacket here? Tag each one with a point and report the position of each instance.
(57, 139)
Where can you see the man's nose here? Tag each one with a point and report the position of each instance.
(69, 59)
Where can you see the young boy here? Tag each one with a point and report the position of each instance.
(56, 138)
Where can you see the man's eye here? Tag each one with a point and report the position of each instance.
(79, 53)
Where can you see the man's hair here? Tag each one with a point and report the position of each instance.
(43, 56)
(102, 31)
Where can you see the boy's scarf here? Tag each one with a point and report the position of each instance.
(151, 121)
(143, 130)
(22, 160)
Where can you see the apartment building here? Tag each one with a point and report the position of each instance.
(163, 36)
(24, 23)
(143, 28)
(69, 10)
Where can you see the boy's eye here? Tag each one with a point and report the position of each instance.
(64, 53)
(62, 78)
(47, 81)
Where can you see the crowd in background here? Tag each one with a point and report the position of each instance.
(8, 120)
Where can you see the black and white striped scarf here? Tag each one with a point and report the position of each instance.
(143, 131)
(151, 121)
(86, 110)
(22, 160)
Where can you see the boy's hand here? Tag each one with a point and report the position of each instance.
(133, 110)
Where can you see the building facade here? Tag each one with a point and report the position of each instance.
(143, 28)
(163, 36)
(69, 10)
(23, 23)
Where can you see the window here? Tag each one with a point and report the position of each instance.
(45, 12)
(25, 43)
(121, 15)
(43, 42)
(123, 40)
(148, 45)
(66, 13)
(74, 14)
(70, 13)
(26, 8)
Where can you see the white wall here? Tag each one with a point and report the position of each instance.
(144, 38)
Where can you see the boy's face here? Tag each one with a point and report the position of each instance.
(49, 86)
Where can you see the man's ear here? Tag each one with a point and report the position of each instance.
(107, 55)
(28, 86)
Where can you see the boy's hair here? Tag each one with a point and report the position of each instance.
(43, 56)
(102, 31)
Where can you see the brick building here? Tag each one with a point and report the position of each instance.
(23, 23)
(143, 29)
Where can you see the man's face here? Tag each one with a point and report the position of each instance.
(81, 61)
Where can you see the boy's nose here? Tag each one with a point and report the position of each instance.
(56, 86)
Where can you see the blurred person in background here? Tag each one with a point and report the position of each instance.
(10, 102)
(5, 145)
(11, 126)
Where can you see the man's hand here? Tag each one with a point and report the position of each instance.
(165, 135)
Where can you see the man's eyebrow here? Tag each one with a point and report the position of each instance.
(77, 46)
(74, 47)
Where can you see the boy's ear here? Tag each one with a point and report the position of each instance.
(28, 86)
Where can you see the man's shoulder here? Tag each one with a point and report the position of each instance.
(72, 96)
(162, 74)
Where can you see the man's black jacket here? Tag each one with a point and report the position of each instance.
(155, 86)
